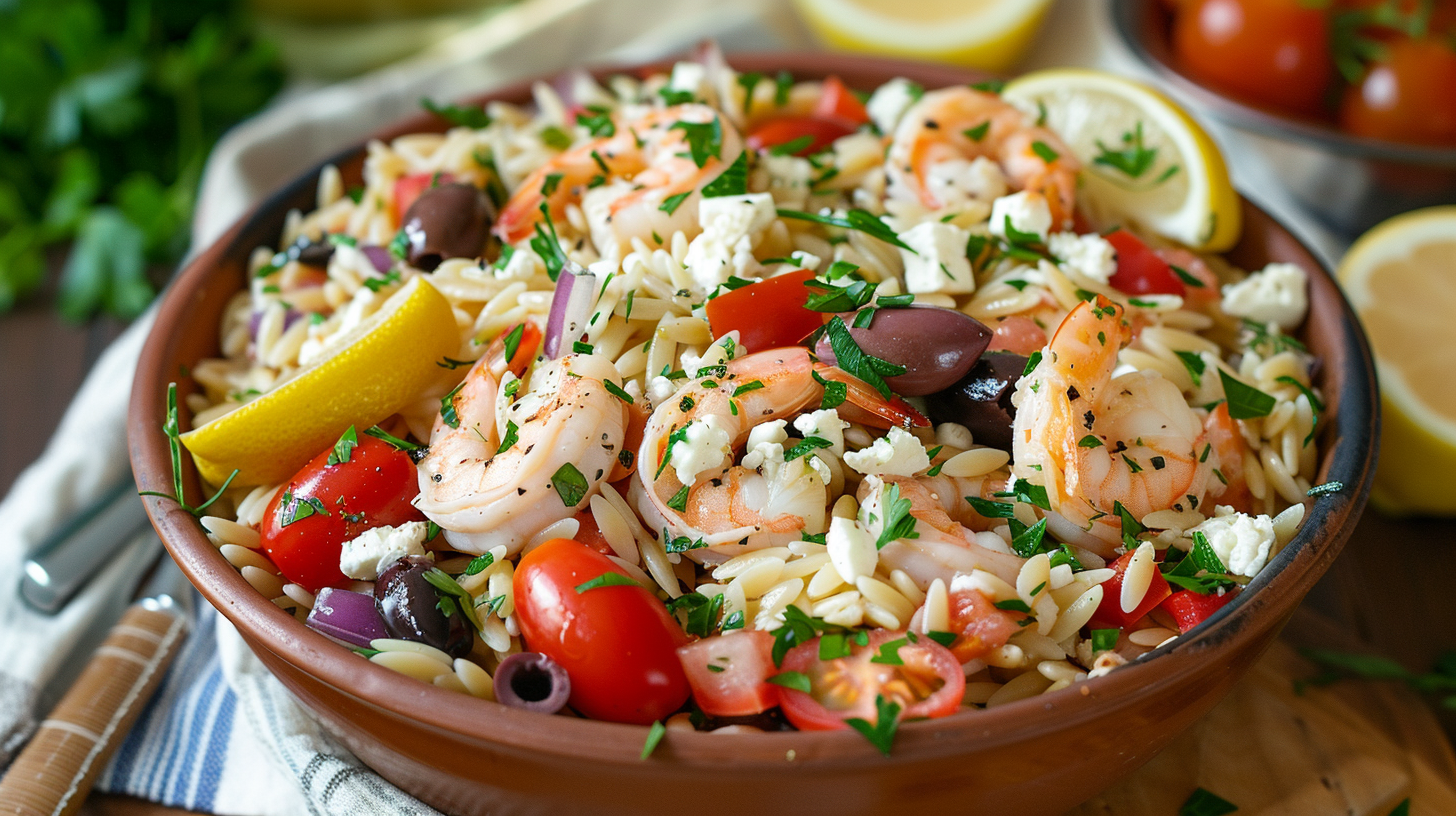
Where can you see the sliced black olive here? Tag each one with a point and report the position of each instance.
(411, 608)
(532, 681)
(936, 346)
(981, 400)
(447, 221)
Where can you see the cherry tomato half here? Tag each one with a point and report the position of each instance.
(617, 642)
(1139, 270)
(926, 683)
(1109, 614)
(729, 673)
(324, 505)
(1273, 53)
(1409, 96)
(980, 627)
(784, 129)
(768, 314)
(1189, 608)
(838, 102)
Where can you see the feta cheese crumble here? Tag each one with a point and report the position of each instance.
(1243, 542)
(1089, 255)
(898, 453)
(1028, 213)
(1274, 294)
(956, 182)
(731, 226)
(890, 101)
(851, 549)
(824, 424)
(938, 263)
(705, 446)
(367, 555)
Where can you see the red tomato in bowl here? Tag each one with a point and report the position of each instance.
(324, 505)
(1408, 96)
(838, 102)
(1272, 53)
(838, 113)
(729, 673)
(926, 683)
(1139, 269)
(768, 314)
(408, 188)
(617, 643)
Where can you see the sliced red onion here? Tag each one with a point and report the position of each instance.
(347, 616)
(571, 308)
(533, 682)
(379, 257)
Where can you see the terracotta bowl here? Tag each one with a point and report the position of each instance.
(1347, 182)
(1040, 755)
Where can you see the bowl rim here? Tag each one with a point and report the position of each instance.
(1128, 17)
(1291, 574)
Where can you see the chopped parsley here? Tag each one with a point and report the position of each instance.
(671, 203)
(654, 736)
(456, 115)
(833, 298)
(850, 358)
(1245, 401)
(344, 448)
(797, 681)
(398, 444)
(882, 733)
(1193, 361)
(616, 391)
(597, 121)
(479, 564)
(569, 484)
(447, 407)
(731, 182)
(705, 139)
(1104, 640)
(835, 392)
(510, 439)
(853, 219)
(679, 500)
(453, 597)
(547, 245)
(1044, 151)
(606, 579)
(898, 521)
(1132, 158)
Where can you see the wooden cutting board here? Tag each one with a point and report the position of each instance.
(1356, 747)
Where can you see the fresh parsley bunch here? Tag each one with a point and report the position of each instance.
(108, 109)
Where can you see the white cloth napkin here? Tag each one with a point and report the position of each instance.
(222, 735)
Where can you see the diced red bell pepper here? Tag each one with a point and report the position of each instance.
(1189, 608)
(1109, 614)
(837, 101)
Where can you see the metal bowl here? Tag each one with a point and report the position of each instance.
(1348, 183)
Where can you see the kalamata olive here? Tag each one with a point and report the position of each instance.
(981, 400)
(316, 254)
(532, 681)
(447, 221)
(410, 606)
(937, 346)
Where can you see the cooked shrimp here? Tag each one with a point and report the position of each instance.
(483, 497)
(947, 543)
(959, 125)
(649, 159)
(1095, 442)
(1229, 446)
(727, 504)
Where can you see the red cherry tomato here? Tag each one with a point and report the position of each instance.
(1410, 96)
(768, 314)
(729, 673)
(785, 129)
(1272, 53)
(1109, 614)
(1139, 270)
(617, 643)
(928, 684)
(980, 627)
(1189, 608)
(408, 188)
(838, 102)
(327, 505)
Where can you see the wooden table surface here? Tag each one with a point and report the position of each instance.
(1392, 586)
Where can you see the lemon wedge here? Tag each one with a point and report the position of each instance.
(1401, 279)
(379, 366)
(987, 34)
(1144, 158)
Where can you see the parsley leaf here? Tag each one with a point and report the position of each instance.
(732, 181)
(887, 720)
(670, 204)
(1133, 159)
(1245, 401)
(705, 139)
(457, 115)
(606, 579)
(854, 219)
(569, 484)
(797, 681)
(654, 736)
(344, 448)
(510, 439)
(851, 358)
(805, 446)
(598, 122)
(898, 521)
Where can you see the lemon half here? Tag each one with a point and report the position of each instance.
(1401, 279)
(380, 365)
(987, 34)
(1144, 158)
